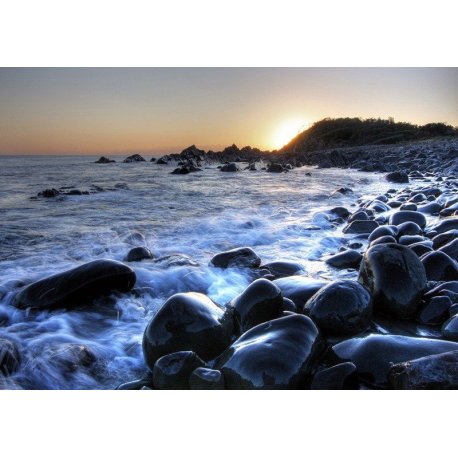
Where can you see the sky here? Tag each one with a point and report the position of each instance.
(163, 110)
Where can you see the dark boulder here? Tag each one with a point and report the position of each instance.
(341, 212)
(279, 354)
(136, 384)
(9, 357)
(450, 328)
(435, 312)
(232, 167)
(206, 379)
(187, 321)
(420, 248)
(439, 267)
(342, 376)
(345, 259)
(451, 249)
(395, 277)
(134, 158)
(238, 257)
(280, 269)
(360, 227)
(404, 216)
(397, 177)
(433, 208)
(445, 226)
(341, 308)
(373, 355)
(444, 238)
(172, 371)
(260, 302)
(275, 168)
(409, 228)
(104, 160)
(79, 285)
(49, 193)
(383, 239)
(299, 289)
(382, 231)
(138, 254)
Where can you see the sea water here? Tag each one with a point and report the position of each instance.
(279, 215)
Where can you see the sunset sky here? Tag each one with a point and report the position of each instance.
(161, 110)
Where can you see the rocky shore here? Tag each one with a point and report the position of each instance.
(392, 322)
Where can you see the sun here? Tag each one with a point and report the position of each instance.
(287, 130)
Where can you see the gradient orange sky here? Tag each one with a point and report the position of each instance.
(162, 110)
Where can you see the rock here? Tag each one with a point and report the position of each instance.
(397, 177)
(373, 355)
(49, 193)
(409, 228)
(358, 216)
(451, 249)
(360, 227)
(134, 158)
(138, 254)
(341, 308)
(238, 257)
(445, 226)
(408, 206)
(439, 267)
(433, 208)
(9, 357)
(299, 289)
(289, 305)
(404, 216)
(280, 269)
(382, 231)
(435, 312)
(341, 212)
(384, 239)
(136, 384)
(444, 238)
(260, 302)
(275, 168)
(174, 260)
(187, 321)
(232, 167)
(395, 277)
(450, 328)
(182, 170)
(153, 159)
(76, 286)
(411, 239)
(436, 372)
(172, 371)
(340, 377)
(104, 160)
(206, 379)
(346, 259)
(279, 354)
(135, 238)
(420, 248)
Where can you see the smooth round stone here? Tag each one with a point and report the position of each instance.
(408, 206)
(232, 167)
(447, 286)
(445, 225)
(450, 328)
(136, 384)
(341, 212)
(172, 372)
(420, 248)
(206, 379)
(417, 198)
(382, 198)
(360, 227)
(341, 308)
(339, 377)
(433, 208)
(299, 289)
(411, 239)
(435, 311)
(404, 216)
(383, 239)
(378, 206)
(394, 203)
(289, 305)
(451, 249)
(374, 355)
(279, 354)
(261, 301)
(398, 176)
(439, 267)
(76, 286)
(444, 238)
(282, 269)
(382, 231)
(395, 277)
(409, 228)
(238, 257)
(9, 357)
(346, 259)
(187, 321)
(138, 254)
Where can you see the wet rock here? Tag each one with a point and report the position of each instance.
(444, 238)
(435, 312)
(346, 259)
(433, 208)
(395, 277)
(289, 305)
(261, 301)
(438, 372)
(279, 354)
(450, 329)
(451, 249)
(172, 371)
(411, 239)
(134, 158)
(420, 248)
(138, 254)
(404, 216)
(439, 267)
(339, 377)
(397, 177)
(238, 257)
(136, 384)
(358, 216)
(409, 228)
(384, 239)
(187, 321)
(232, 167)
(382, 231)
(76, 286)
(280, 269)
(299, 289)
(275, 168)
(445, 225)
(360, 227)
(206, 379)
(341, 308)
(70, 358)
(408, 206)
(341, 212)
(104, 160)
(135, 238)
(373, 355)
(49, 193)
(175, 260)
(9, 357)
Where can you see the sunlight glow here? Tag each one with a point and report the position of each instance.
(287, 130)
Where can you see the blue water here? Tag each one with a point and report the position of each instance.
(195, 215)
